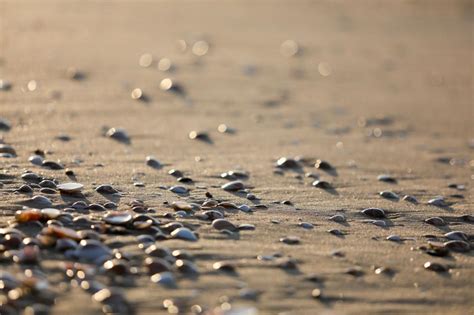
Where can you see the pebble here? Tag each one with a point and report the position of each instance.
(41, 201)
(153, 162)
(436, 221)
(223, 224)
(233, 186)
(290, 240)
(25, 189)
(226, 266)
(380, 223)
(106, 189)
(198, 135)
(164, 278)
(438, 202)
(251, 196)
(457, 235)
(386, 178)
(137, 94)
(409, 198)
(36, 160)
(322, 184)
(47, 183)
(70, 188)
(5, 85)
(184, 234)
(306, 225)
(323, 165)
(31, 177)
(5, 124)
(246, 227)
(389, 195)
(394, 238)
(7, 149)
(179, 189)
(339, 218)
(52, 165)
(284, 162)
(182, 205)
(90, 250)
(316, 294)
(433, 266)
(336, 232)
(458, 246)
(245, 208)
(118, 134)
(118, 217)
(175, 173)
(374, 212)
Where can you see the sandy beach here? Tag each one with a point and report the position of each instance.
(272, 89)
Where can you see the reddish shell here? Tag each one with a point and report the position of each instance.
(28, 215)
(61, 232)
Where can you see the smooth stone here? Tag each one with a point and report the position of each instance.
(336, 232)
(25, 189)
(306, 225)
(186, 267)
(223, 224)
(90, 250)
(457, 235)
(181, 205)
(233, 186)
(374, 212)
(165, 278)
(106, 189)
(320, 164)
(409, 198)
(394, 238)
(8, 149)
(321, 184)
(179, 189)
(339, 218)
(175, 173)
(41, 201)
(290, 240)
(226, 266)
(70, 188)
(436, 267)
(436, 221)
(284, 162)
(386, 178)
(5, 124)
(118, 134)
(118, 217)
(246, 227)
(152, 162)
(389, 195)
(184, 234)
(52, 165)
(458, 246)
(31, 177)
(438, 202)
(36, 160)
(380, 223)
(245, 208)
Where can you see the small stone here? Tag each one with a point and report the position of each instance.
(436, 221)
(246, 227)
(175, 173)
(41, 202)
(458, 246)
(467, 218)
(386, 178)
(106, 189)
(438, 202)
(153, 162)
(33, 177)
(389, 195)
(306, 225)
(457, 235)
(251, 196)
(233, 186)
(380, 223)
(336, 232)
(137, 94)
(339, 218)
(47, 183)
(5, 124)
(184, 234)
(164, 278)
(223, 224)
(25, 189)
(433, 266)
(118, 134)
(181, 205)
(322, 184)
(226, 266)
(7, 149)
(394, 238)
(179, 189)
(70, 188)
(323, 165)
(290, 240)
(36, 160)
(409, 198)
(374, 212)
(5, 85)
(316, 294)
(198, 135)
(118, 217)
(245, 208)
(52, 165)
(284, 162)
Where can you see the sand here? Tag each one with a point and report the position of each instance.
(409, 62)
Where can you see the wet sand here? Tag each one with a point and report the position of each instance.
(397, 96)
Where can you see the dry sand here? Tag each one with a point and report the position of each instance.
(409, 61)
